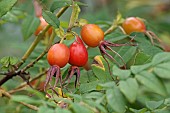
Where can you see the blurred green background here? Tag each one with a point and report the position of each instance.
(156, 12)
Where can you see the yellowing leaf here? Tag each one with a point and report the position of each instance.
(59, 32)
(83, 22)
(69, 36)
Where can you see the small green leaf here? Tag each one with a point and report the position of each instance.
(86, 87)
(149, 49)
(129, 88)
(167, 101)
(122, 74)
(106, 85)
(163, 70)
(29, 26)
(126, 52)
(99, 72)
(13, 60)
(138, 69)
(96, 105)
(161, 58)
(13, 16)
(51, 18)
(154, 104)
(44, 109)
(77, 108)
(115, 99)
(143, 110)
(57, 4)
(37, 93)
(6, 5)
(93, 95)
(150, 81)
(115, 36)
(142, 58)
(101, 69)
(27, 99)
(6, 61)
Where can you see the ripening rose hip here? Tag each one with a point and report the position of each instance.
(58, 55)
(92, 35)
(133, 24)
(78, 53)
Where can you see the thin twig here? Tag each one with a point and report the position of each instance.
(22, 86)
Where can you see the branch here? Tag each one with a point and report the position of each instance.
(22, 86)
(9, 76)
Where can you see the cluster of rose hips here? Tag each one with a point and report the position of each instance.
(77, 56)
(59, 55)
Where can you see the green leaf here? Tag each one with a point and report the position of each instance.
(93, 95)
(51, 18)
(114, 36)
(150, 81)
(167, 101)
(6, 5)
(138, 69)
(37, 93)
(13, 16)
(140, 37)
(27, 99)
(161, 58)
(154, 104)
(44, 109)
(143, 110)
(60, 110)
(163, 70)
(57, 4)
(149, 49)
(86, 87)
(13, 60)
(101, 70)
(29, 26)
(142, 58)
(163, 110)
(126, 52)
(6, 61)
(129, 88)
(77, 108)
(122, 74)
(115, 99)
(106, 85)
(96, 105)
